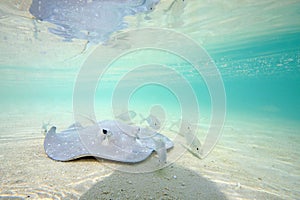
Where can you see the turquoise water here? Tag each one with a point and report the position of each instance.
(255, 47)
(258, 80)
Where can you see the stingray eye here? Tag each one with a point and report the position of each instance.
(104, 131)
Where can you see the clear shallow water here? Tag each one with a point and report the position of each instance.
(255, 47)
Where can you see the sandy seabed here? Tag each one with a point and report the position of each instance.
(251, 161)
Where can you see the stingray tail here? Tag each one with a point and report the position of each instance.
(161, 150)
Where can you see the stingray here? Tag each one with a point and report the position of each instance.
(91, 20)
(108, 139)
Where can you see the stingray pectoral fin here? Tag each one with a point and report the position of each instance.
(63, 146)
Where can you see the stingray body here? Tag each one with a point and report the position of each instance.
(92, 20)
(108, 139)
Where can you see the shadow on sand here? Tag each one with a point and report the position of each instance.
(172, 182)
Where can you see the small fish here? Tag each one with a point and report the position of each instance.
(193, 144)
(197, 155)
(174, 12)
(174, 124)
(191, 139)
(176, 6)
(76, 125)
(126, 116)
(181, 127)
(152, 121)
(129, 129)
(44, 128)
